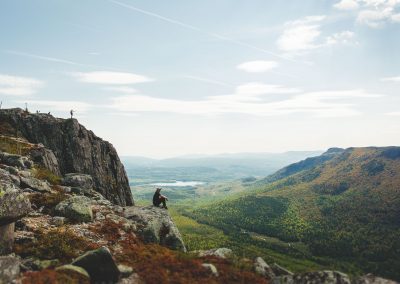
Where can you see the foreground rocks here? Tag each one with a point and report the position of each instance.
(155, 225)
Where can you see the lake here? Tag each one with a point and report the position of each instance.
(179, 183)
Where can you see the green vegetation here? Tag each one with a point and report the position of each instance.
(346, 209)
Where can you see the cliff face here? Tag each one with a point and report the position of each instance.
(76, 149)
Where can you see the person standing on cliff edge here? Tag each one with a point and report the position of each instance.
(72, 113)
(158, 199)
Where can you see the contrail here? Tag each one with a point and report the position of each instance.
(199, 30)
(57, 60)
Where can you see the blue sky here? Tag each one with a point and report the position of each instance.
(165, 78)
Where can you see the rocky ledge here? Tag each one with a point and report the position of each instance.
(76, 149)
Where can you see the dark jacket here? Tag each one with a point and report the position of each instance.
(156, 198)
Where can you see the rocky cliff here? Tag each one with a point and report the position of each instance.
(77, 150)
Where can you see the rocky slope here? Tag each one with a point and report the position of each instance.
(77, 150)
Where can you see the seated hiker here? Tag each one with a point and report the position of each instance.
(158, 199)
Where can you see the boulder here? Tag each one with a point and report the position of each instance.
(76, 208)
(82, 181)
(73, 269)
(100, 265)
(46, 159)
(9, 268)
(35, 184)
(14, 160)
(279, 270)
(155, 225)
(372, 279)
(211, 267)
(13, 206)
(263, 269)
(218, 252)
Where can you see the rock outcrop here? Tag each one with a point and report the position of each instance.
(155, 225)
(77, 150)
(13, 206)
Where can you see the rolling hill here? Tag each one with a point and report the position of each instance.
(344, 204)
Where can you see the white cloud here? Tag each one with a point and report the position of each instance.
(122, 89)
(321, 104)
(301, 34)
(62, 106)
(341, 37)
(257, 66)
(373, 13)
(396, 113)
(18, 86)
(391, 79)
(111, 78)
(346, 5)
(305, 34)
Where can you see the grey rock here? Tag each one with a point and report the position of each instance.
(82, 181)
(317, 277)
(77, 151)
(74, 269)
(45, 158)
(9, 268)
(211, 268)
(58, 221)
(35, 184)
(16, 180)
(218, 252)
(133, 279)
(6, 238)
(155, 225)
(263, 269)
(13, 205)
(100, 265)
(76, 208)
(279, 270)
(372, 279)
(125, 270)
(14, 160)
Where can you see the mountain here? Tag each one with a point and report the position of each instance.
(209, 168)
(76, 149)
(344, 204)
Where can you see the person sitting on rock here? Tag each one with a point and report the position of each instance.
(158, 199)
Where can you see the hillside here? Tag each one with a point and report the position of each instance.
(346, 206)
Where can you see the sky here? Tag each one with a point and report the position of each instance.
(166, 78)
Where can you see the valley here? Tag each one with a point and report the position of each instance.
(336, 211)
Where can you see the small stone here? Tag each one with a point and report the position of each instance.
(125, 270)
(74, 269)
(58, 221)
(218, 252)
(211, 268)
